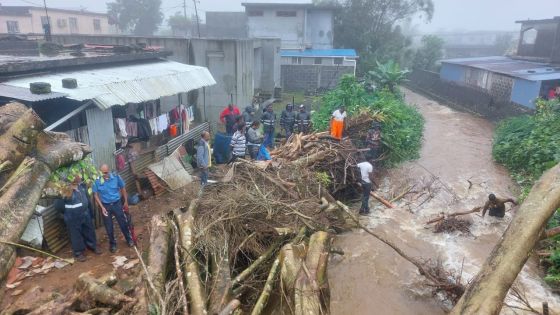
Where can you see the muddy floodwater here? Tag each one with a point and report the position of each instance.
(454, 173)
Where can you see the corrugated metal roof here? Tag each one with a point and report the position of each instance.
(528, 70)
(119, 85)
(351, 53)
(25, 94)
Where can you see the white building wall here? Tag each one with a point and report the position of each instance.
(319, 30)
(289, 29)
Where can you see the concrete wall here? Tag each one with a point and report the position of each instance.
(230, 61)
(226, 24)
(319, 29)
(32, 24)
(325, 61)
(290, 30)
(462, 97)
(312, 77)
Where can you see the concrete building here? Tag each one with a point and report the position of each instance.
(241, 67)
(521, 78)
(31, 20)
(298, 23)
(306, 31)
(540, 40)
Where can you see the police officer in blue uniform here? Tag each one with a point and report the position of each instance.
(110, 194)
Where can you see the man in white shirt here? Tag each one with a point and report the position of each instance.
(337, 123)
(366, 174)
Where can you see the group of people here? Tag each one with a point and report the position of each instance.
(111, 197)
(245, 131)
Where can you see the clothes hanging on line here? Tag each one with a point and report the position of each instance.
(132, 129)
(162, 123)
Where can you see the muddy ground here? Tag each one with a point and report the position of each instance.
(457, 148)
(61, 281)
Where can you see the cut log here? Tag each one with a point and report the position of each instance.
(382, 200)
(312, 299)
(262, 301)
(159, 252)
(197, 296)
(20, 139)
(91, 288)
(10, 113)
(486, 293)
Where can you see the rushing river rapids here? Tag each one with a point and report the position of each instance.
(371, 279)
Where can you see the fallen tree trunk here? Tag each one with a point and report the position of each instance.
(310, 298)
(197, 296)
(220, 294)
(159, 253)
(486, 293)
(19, 199)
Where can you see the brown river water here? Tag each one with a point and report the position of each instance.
(372, 279)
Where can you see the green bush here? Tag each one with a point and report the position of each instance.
(528, 146)
(402, 124)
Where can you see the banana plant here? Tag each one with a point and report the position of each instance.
(387, 75)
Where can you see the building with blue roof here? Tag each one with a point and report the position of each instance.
(519, 79)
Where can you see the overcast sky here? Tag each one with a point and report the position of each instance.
(450, 15)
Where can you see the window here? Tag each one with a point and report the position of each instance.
(255, 13)
(97, 25)
(296, 60)
(61, 23)
(286, 13)
(13, 27)
(45, 21)
(338, 61)
(73, 24)
(318, 61)
(529, 37)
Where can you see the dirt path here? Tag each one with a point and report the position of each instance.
(371, 279)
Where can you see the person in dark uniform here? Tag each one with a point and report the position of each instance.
(497, 206)
(303, 120)
(288, 120)
(77, 216)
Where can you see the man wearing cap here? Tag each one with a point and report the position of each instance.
(269, 121)
(303, 120)
(288, 120)
(249, 116)
(110, 194)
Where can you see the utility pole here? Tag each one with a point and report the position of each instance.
(197, 19)
(47, 27)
